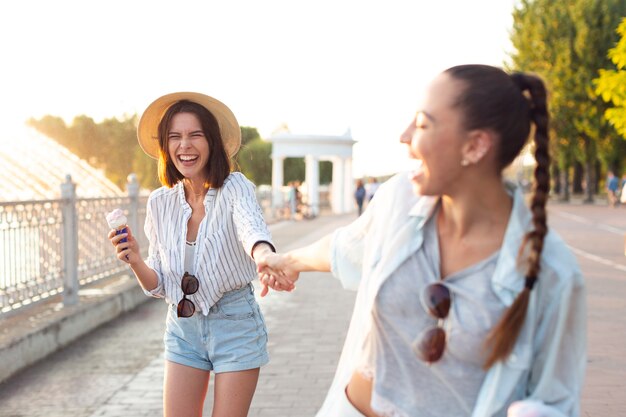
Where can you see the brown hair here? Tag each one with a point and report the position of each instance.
(508, 104)
(217, 168)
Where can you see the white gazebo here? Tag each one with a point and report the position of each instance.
(315, 148)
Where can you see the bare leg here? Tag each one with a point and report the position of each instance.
(184, 390)
(233, 393)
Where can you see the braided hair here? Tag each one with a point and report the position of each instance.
(508, 104)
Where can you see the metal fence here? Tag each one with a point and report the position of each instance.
(50, 247)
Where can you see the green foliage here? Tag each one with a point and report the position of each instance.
(254, 160)
(611, 84)
(248, 134)
(295, 170)
(566, 43)
(110, 145)
(326, 172)
(51, 126)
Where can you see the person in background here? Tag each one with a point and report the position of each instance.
(293, 200)
(371, 188)
(622, 197)
(359, 195)
(467, 303)
(206, 232)
(612, 188)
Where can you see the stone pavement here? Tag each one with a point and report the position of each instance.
(117, 370)
(596, 234)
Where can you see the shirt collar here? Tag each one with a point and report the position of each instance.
(424, 209)
(180, 190)
(509, 271)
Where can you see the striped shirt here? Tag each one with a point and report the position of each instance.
(232, 225)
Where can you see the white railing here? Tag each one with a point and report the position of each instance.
(50, 247)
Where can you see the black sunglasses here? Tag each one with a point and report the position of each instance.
(431, 343)
(189, 284)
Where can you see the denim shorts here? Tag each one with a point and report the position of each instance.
(232, 337)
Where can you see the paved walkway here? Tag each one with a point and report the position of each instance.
(117, 370)
(597, 235)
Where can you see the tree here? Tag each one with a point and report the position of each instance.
(566, 43)
(248, 134)
(255, 160)
(122, 158)
(109, 145)
(52, 126)
(86, 141)
(611, 86)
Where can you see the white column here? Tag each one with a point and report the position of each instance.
(348, 201)
(277, 182)
(338, 186)
(312, 178)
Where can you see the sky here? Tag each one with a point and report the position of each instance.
(319, 67)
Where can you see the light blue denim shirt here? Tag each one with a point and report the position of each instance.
(548, 361)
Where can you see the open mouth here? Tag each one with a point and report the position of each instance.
(416, 168)
(188, 159)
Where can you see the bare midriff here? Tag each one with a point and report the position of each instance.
(359, 392)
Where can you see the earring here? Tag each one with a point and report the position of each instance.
(464, 162)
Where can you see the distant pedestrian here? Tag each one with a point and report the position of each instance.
(612, 188)
(622, 197)
(206, 233)
(371, 188)
(359, 195)
(299, 202)
(467, 303)
(293, 200)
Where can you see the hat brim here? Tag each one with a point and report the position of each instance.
(148, 128)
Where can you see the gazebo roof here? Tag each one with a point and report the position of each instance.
(290, 145)
(288, 137)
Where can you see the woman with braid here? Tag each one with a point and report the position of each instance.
(467, 304)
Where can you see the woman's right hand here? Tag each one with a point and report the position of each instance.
(126, 251)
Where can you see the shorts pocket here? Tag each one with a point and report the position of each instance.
(236, 308)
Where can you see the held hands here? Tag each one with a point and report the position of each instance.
(126, 251)
(278, 272)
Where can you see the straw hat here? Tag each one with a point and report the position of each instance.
(148, 129)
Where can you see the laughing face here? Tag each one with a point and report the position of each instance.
(435, 138)
(188, 146)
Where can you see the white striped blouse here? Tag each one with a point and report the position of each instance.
(232, 225)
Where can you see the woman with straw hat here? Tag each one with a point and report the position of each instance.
(206, 233)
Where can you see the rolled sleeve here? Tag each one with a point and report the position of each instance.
(347, 249)
(247, 214)
(345, 264)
